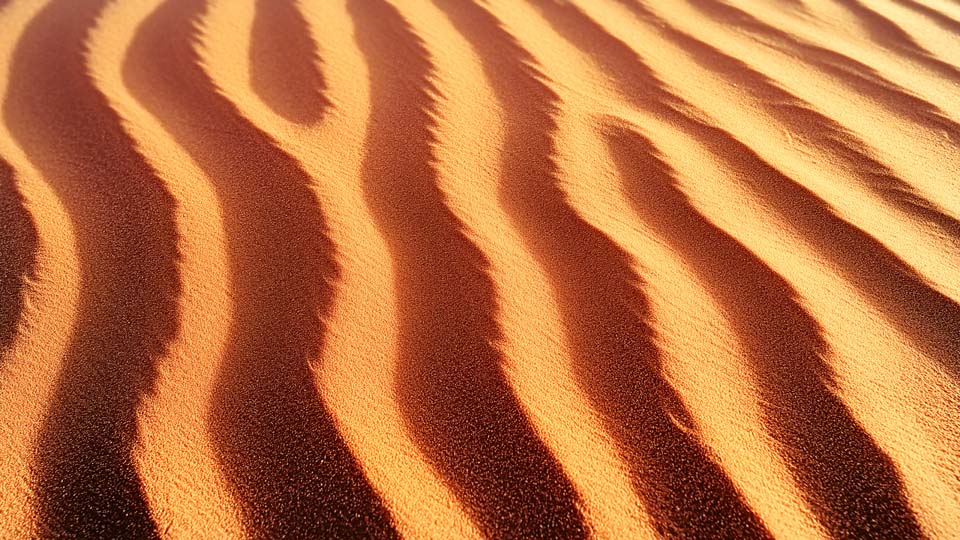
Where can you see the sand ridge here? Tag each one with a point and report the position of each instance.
(479, 268)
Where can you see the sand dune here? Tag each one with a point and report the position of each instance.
(480, 268)
(276, 444)
(785, 347)
(453, 394)
(614, 356)
(124, 232)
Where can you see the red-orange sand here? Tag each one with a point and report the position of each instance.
(480, 269)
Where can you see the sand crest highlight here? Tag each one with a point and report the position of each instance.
(485, 268)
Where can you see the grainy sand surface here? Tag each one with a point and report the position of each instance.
(480, 269)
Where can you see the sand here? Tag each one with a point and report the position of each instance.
(479, 269)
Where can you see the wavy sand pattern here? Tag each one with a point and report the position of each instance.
(791, 165)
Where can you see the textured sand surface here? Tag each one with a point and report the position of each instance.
(480, 269)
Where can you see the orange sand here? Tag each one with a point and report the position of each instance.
(479, 268)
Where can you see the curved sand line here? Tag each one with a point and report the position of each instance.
(126, 244)
(890, 35)
(277, 444)
(925, 75)
(33, 360)
(857, 76)
(837, 179)
(450, 384)
(283, 62)
(435, 268)
(601, 304)
(929, 318)
(940, 19)
(18, 251)
(802, 119)
(174, 455)
(853, 485)
(358, 374)
(832, 501)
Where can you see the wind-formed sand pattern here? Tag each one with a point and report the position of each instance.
(480, 269)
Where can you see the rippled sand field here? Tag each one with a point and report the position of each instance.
(480, 268)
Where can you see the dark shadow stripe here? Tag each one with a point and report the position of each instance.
(800, 119)
(284, 64)
(18, 255)
(926, 316)
(930, 319)
(277, 444)
(879, 28)
(889, 35)
(942, 20)
(640, 84)
(855, 486)
(604, 311)
(126, 244)
(452, 389)
(854, 75)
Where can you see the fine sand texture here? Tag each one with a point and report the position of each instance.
(435, 269)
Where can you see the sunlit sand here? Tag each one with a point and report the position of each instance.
(479, 269)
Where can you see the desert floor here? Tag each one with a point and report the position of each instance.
(480, 268)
